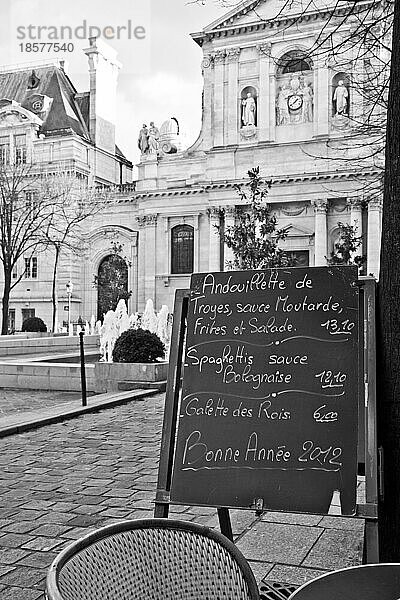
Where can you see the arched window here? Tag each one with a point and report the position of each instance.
(182, 249)
(112, 283)
(294, 62)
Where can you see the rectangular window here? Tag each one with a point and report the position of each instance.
(4, 150)
(20, 152)
(15, 272)
(31, 268)
(31, 202)
(11, 320)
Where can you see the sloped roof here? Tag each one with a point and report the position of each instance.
(64, 113)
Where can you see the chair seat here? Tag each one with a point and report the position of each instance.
(364, 582)
(153, 559)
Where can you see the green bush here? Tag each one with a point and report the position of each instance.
(34, 324)
(138, 345)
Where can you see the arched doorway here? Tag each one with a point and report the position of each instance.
(112, 283)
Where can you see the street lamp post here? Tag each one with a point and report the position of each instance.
(70, 286)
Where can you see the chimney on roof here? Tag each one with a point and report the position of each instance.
(103, 71)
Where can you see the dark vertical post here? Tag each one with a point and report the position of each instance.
(167, 451)
(83, 372)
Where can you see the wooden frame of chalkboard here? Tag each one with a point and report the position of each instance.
(310, 290)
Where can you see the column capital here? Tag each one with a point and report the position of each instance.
(232, 55)
(320, 206)
(355, 202)
(214, 212)
(147, 220)
(208, 61)
(264, 49)
(230, 211)
(375, 204)
(219, 57)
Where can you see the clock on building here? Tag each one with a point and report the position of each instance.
(295, 102)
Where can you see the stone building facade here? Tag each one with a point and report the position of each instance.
(268, 101)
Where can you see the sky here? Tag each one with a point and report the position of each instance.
(160, 75)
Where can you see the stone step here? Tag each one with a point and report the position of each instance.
(127, 386)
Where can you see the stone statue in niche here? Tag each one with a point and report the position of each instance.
(341, 99)
(282, 110)
(249, 109)
(294, 101)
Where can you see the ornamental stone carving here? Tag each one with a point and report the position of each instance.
(264, 49)
(147, 220)
(294, 100)
(320, 206)
(293, 209)
(233, 54)
(207, 61)
(219, 57)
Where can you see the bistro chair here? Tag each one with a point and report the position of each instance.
(365, 582)
(152, 559)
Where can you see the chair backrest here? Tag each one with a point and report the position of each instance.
(364, 582)
(152, 559)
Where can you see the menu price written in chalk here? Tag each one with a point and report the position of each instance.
(270, 390)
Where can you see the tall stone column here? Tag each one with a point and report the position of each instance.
(214, 244)
(322, 100)
(321, 234)
(229, 222)
(150, 258)
(374, 237)
(207, 66)
(356, 219)
(272, 104)
(141, 221)
(232, 57)
(218, 125)
(264, 106)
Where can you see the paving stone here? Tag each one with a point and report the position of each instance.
(343, 523)
(17, 593)
(84, 520)
(292, 518)
(9, 556)
(39, 560)
(23, 577)
(50, 530)
(335, 549)
(4, 570)
(42, 543)
(21, 527)
(260, 569)
(295, 575)
(277, 542)
(14, 540)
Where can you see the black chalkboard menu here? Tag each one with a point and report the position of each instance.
(268, 412)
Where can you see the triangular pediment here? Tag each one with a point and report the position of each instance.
(296, 231)
(256, 11)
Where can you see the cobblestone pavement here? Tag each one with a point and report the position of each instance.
(17, 401)
(61, 481)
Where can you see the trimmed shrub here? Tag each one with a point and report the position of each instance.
(138, 345)
(34, 324)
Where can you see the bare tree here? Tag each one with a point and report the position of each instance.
(24, 215)
(75, 204)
